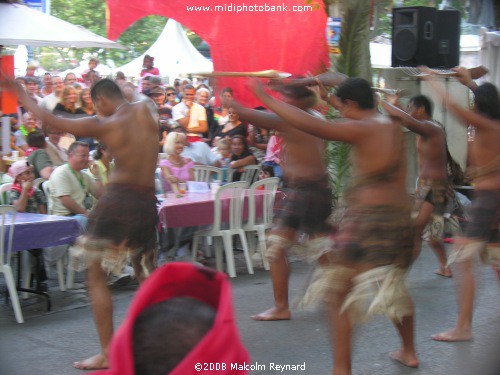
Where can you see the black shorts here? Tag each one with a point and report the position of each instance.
(484, 216)
(305, 206)
(125, 214)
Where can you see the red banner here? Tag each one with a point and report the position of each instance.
(244, 36)
(8, 100)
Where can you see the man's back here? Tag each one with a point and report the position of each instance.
(134, 144)
(432, 153)
(380, 160)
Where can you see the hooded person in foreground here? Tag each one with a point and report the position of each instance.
(181, 317)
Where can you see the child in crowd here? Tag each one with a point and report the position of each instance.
(23, 195)
(27, 198)
(266, 171)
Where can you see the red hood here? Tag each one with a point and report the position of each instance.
(221, 344)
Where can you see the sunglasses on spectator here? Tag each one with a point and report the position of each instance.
(170, 93)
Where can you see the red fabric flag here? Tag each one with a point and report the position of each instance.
(243, 36)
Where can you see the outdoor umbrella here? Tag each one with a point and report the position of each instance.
(22, 25)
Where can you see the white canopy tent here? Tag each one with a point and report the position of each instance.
(20, 25)
(173, 55)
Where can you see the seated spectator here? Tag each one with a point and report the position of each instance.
(198, 152)
(273, 154)
(266, 171)
(171, 97)
(23, 195)
(91, 78)
(48, 86)
(182, 315)
(240, 156)
(86, 109)
(26, 198)
(37, 156)
(165, 124)
(221, 114)
(29, 126)
(31, 69)
(175, 168)
(50, 101)
(32, 88)
(202, 98)
(56, 153)
(191, 115)
(232, 127)
(71, 189)
(67, 105)
(120, 78)
(70, 79)
(103, 163)
(258, 139)
(223, 152)
(15, 147)
(87, 105)
(157, 94)
(144, 85)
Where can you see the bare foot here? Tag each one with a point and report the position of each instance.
(97, 362)
(443, 271)
(273, 314)
(453, 335)
(406, 359)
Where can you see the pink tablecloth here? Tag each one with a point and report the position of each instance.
(193, 209)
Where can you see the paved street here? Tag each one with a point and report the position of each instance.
(47, 343)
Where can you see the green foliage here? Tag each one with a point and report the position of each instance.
(354, 60)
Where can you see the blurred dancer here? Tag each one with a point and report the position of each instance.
(125, 216)
(373, 249)
(433, 191)
(485, 212)
(307, 198)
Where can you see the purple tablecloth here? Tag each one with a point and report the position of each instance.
(32, 231)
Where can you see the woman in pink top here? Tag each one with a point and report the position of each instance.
(175, 168)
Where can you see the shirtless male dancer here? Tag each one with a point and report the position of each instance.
(125, 216)
(307, 198)
(485, 210)
(375, 237)
(434, 190)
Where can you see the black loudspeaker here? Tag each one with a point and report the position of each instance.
(448, 38)
(425, 36)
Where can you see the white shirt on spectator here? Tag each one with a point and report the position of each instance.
(49, 102)
(64, 182)
(200, 153)
(198, 113)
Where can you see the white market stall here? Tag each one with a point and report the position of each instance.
(173, 54)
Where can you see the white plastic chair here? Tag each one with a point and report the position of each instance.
(206, 173)
(5, 253)
(249, 174)
(4, 189)
(268, 189)
(229, 196)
